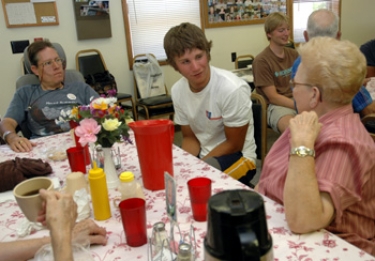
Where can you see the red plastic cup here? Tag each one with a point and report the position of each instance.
(200, 192)
(76, 157)
(133, 215)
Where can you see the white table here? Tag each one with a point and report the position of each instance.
(320, 245)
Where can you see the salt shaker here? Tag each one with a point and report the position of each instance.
(159, 237)
(184, 252)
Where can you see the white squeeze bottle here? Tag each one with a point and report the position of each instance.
(129, 188)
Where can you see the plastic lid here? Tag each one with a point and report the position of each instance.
(126, 176)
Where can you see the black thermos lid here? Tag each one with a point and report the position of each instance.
(237, 226)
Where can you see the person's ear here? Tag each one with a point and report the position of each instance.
(34, 69)
(306, 36)
(338, 36)
(315, 97)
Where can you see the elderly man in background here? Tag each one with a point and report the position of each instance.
(321, 167)
(40, 105)
(324, 22)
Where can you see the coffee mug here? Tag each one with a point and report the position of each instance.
(27, 195)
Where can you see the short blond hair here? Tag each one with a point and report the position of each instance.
(273, 21)
(338, 68)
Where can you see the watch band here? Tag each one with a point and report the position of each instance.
(302, 151)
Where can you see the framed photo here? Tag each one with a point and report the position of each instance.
(221, 13)
(170, 196)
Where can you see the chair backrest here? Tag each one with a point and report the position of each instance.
(143, 60)
(90, 61)
(260, 125)
(242, 61)
(369, 122)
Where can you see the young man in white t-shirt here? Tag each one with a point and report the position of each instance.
(212, 105)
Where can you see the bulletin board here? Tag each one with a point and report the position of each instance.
(23, 13)
(92, 19)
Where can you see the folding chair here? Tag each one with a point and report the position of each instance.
(242, 61)
(260, 125)
(91, 61)
(152, 106)
(369, 122)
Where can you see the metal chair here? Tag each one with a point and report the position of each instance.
(369, 122)
(242, 61)
(152, 106)
(260, 125)
(91, 61)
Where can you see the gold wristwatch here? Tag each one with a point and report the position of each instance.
(302, 151)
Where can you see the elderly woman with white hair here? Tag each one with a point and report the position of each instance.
(322, 168)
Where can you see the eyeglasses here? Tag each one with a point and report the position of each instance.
(49, 63)
(293, 84)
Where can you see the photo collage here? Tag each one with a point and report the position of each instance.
(226, 11)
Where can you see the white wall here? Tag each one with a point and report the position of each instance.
(357, 25)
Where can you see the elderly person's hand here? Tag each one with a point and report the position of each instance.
(87, 228)
(59, 212)
(20, 144)
(304, 129)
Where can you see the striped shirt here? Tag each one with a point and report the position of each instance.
(345, 168)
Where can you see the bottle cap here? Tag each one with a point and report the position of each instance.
(126, 176)
(95, 172)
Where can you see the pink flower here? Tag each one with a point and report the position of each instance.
(87, 130)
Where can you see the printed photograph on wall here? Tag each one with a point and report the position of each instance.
(237, 12)
(95, 8)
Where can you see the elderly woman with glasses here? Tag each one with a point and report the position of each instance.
(40, 105)
(322, 168)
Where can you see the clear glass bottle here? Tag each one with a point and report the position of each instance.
(99, 156)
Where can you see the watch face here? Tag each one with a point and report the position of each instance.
(302, 152)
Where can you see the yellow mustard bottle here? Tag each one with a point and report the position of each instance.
(99, 193)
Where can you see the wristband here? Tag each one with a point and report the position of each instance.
(6, 134)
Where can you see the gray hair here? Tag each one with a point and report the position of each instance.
(323, 22)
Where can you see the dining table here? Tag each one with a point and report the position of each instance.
(318, 245)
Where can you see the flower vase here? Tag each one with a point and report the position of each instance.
(110, 170)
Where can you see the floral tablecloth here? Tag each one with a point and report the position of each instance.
(320, 245)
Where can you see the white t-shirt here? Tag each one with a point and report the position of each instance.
(224, 101)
